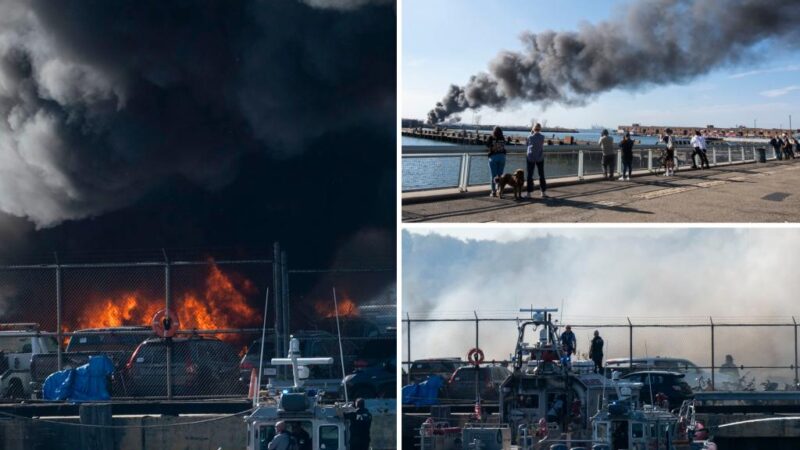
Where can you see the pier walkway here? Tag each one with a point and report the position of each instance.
(737, 193)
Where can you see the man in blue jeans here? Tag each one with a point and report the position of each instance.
(535, 160)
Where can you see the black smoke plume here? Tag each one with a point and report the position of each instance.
(651, 42)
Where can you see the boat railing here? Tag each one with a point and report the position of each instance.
(461, 167)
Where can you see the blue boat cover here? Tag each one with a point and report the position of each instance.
(423, 394)
(86, 383)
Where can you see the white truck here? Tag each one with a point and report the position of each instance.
(18, 343)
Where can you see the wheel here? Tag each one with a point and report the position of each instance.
(15, 389)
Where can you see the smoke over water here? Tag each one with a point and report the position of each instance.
(653, 42)
(103, 102)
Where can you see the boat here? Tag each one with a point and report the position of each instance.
(299, 408)
(550, 402)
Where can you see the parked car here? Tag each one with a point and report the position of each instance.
(312, 343)
(376, 353)
(461, 385)
(379, 381)
(17, 347)
(118, 343)
(421, 369)
(668, 383)
(200, 366)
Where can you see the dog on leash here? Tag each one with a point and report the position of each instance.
(517, 181)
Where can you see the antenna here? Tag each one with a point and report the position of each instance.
(605, 378)
(297, 362)
(339, 334)
(261, 357)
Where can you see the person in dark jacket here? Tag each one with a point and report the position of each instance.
(535, 160)
(568, 341)
(596, 352)
(497, 156)
(788, 147)
(301, 436)
(776, 144)
(627, 157)
(360, 423)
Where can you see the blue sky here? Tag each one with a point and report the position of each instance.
(446, 41)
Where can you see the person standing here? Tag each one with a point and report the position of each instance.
(497, 156)
(669, 160)
(700, 150)
(360, 423)
(596, 352)
(282, 439)
(788, 146)
(301, 436)
(609, 154)
(776, 144)
(627, 157)
(535, 160)
(568, 342)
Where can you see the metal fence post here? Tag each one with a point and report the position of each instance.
(477, 341)
(743, 158)
(619, 162)
(796, 380)
(58, 310)
(714, 155)
(713, 364)
(408, 346)
(730, 155)
(650, 160)
(580, 165)
(166, 307)
(630, 343)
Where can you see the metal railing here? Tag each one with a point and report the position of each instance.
(426, 168)
(688, 341)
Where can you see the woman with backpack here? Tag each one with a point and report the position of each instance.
(497, 156)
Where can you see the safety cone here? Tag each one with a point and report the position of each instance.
(253, 384)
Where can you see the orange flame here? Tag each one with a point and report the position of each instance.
(222, 303)
(346, 308)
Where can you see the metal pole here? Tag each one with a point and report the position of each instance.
(166, 307)
(58, 309)
(713, 362)
(276, 284)
(408, 346)
(285, 300)
(477, 342)
(630, 343)
(796, 380)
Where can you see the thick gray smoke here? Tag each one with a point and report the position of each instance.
(652, 42)
(103, 102)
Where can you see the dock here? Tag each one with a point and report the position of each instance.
(464, 137)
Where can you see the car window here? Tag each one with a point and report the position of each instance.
(329, 437)
(214, 351)
(107, 342)
(15, 344)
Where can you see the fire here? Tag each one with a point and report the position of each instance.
(221, 303)
(346, 308)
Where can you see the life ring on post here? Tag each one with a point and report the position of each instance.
(165, 323)
(475, 356)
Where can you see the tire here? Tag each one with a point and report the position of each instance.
(15, 389)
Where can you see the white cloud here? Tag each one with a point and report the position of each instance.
(780, 92)
(793, 68)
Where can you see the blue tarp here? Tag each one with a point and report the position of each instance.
(423, 394)
(86, 383)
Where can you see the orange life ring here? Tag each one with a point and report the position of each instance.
(475, 356)
(165, 323)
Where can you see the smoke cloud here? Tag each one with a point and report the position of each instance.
(102, 103)
(603, 277)
(654, 42)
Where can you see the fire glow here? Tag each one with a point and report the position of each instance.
(346, 308)
(221, 304)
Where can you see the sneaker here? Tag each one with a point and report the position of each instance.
(493, 194)
(544, 195)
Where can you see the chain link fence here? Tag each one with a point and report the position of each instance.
(58, 316)
(759, 353)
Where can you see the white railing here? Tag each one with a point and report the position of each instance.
(460, 167)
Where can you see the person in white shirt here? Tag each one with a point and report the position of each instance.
(700, 150)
